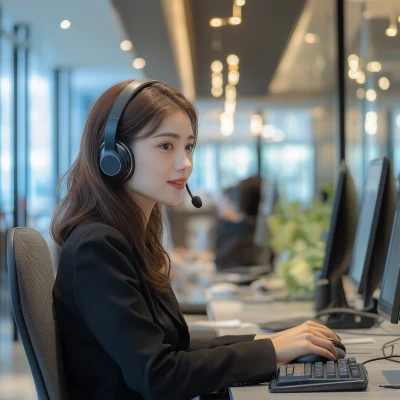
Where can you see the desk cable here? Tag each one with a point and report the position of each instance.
(389, 344)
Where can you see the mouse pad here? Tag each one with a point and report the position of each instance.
(393, 377)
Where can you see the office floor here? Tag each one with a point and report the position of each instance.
(15, 378)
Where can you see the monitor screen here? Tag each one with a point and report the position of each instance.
(389, 299)
(367, 222)
(339, 243)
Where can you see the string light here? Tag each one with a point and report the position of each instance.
(139, 63)
(384, 83)
(374, 66)
(216, 22)
(370, 95)
(126, 45)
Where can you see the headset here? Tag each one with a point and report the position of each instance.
(115, 158)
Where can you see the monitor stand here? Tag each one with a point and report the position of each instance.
(339, 314)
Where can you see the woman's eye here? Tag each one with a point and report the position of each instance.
(190, 147)
(166, 146)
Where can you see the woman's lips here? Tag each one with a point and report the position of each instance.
(176, 185)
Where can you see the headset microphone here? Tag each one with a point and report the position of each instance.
(196, 200)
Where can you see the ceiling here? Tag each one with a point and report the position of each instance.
(259, 41)
(91, 44)
(178, 44)
(306, 67)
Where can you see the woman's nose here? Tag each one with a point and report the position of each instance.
(183, 161)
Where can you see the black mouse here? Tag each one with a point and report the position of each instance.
(310, 358)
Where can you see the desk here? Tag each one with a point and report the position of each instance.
(235, 309)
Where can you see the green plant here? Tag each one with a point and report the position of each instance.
(296, 235)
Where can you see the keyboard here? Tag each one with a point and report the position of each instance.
(329, 376)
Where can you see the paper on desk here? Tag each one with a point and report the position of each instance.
(363, 340)
(231, 323)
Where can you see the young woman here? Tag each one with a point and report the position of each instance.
(123, 334)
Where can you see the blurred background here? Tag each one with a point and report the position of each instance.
(284, 89)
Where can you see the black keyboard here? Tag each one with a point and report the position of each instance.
(329, 376)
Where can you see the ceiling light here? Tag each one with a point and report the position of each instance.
(311, 38)
(139, 63)
(230, 92)
(279, 136)
(216, 22)
(360, 78)
(353, 57)
(256, 124)
(360, 93)
(371, 128)
(217, 66)
(374, 66)
(384, 83)
(268, 131)
(353, 74)
(240, 3)
(392, 30)
(235, 20)
(65, 24)
(366, 14)
(371, 116)
(216, 79)
(232, 59)
(226, 117)
(227, 129)
(126, 45)
(217, 91)
(353, 64)
(230, 107)
(233, 77)
(370, 95)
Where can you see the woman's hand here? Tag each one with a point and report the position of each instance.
(307, 338)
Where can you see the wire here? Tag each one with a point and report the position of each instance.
(383, 358)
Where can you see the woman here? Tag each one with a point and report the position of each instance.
(123, 334)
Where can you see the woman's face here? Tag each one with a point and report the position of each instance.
(163, 163)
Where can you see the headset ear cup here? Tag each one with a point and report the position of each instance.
(127, 160)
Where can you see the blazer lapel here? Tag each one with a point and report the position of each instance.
(171, 306)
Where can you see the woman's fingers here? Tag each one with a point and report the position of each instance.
(324, 345)
(323, 329)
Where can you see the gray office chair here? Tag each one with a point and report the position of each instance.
(31, 279)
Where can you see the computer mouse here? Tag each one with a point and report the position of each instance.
(310, 358)
(223, 289)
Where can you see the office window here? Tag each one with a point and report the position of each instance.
(236, 162)
(41, 186)
(204, 177)
(292, 166)
(7, 129)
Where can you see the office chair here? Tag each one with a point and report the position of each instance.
(31, 279)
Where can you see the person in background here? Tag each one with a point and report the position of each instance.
(235, 228)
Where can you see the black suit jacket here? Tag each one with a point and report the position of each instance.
(121, 341)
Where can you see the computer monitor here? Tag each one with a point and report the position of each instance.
(389, 298)
(373, 230)
(369, 253)
(339, 244)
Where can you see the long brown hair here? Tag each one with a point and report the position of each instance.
(89, 193)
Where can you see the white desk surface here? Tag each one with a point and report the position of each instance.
(380, 372)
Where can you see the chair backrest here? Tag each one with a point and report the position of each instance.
(31, 278)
